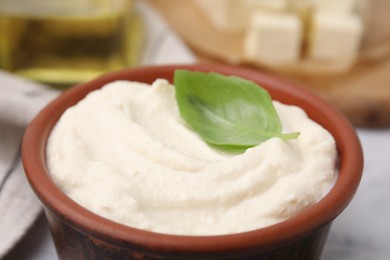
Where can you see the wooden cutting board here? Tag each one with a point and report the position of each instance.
(362, 94)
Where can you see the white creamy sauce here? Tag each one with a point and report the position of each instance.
(125, 153)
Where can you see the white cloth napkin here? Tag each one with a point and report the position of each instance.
(21, 100)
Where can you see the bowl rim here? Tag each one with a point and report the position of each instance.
(316, 216)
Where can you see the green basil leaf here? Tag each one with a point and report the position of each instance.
(229, 112)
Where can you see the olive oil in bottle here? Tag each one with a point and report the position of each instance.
(61, 44)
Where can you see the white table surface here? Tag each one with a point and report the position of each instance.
(361, 232)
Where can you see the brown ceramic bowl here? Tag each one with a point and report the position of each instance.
(80, 234)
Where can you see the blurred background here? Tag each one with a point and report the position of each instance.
(339, 49)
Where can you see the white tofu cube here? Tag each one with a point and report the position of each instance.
(334, 36)
(304, 8)
(273, 39)
(268, 5)
(225, 15)
(343, 6)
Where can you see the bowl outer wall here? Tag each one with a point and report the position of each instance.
(320, 214)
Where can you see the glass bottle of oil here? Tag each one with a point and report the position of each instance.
(66, 42)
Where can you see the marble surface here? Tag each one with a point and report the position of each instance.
(361, 232)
